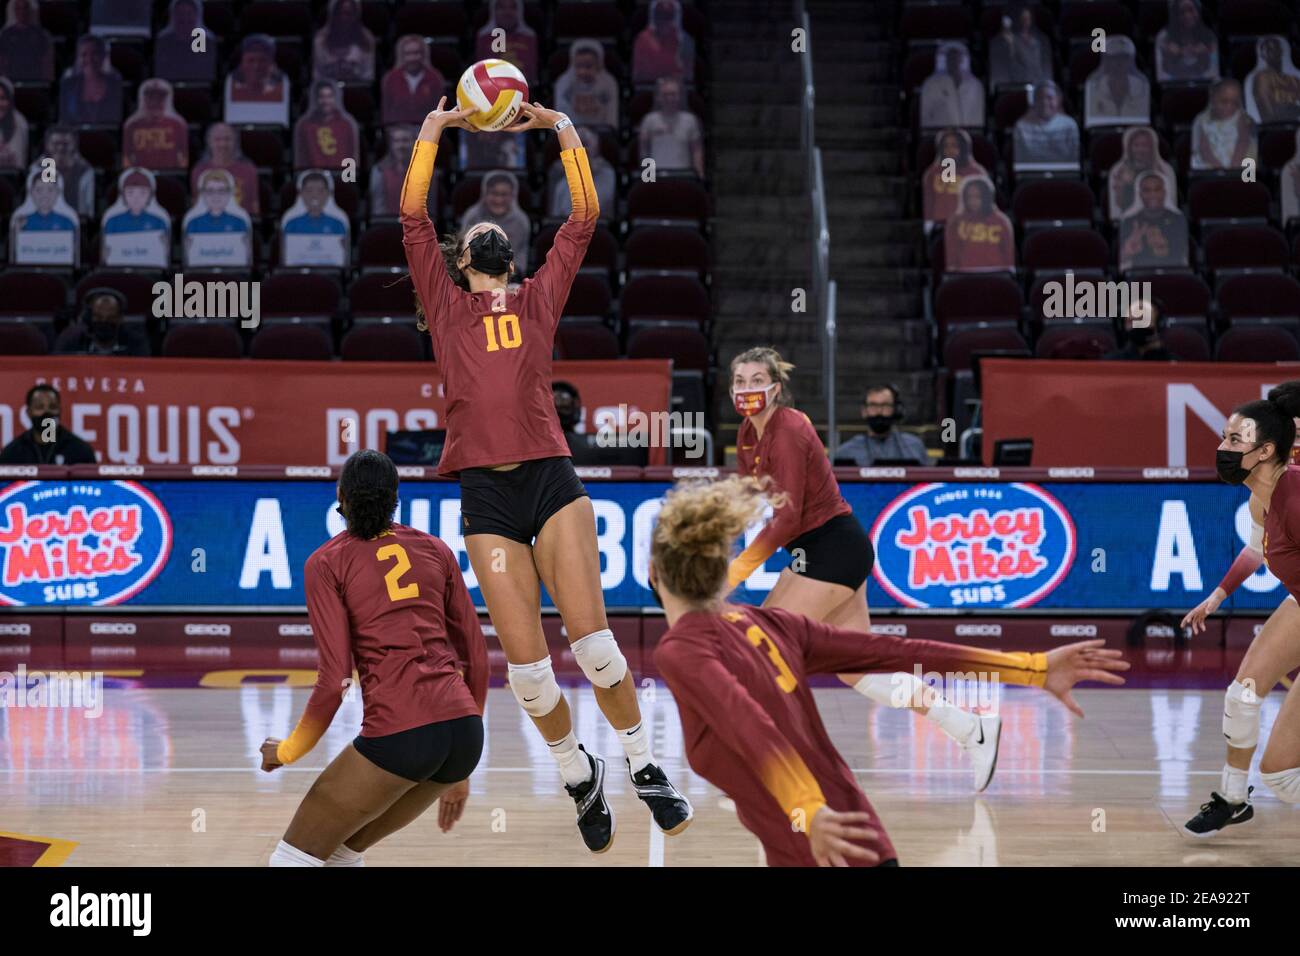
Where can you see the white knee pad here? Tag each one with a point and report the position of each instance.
(534, 687)
(893, 690)
(1241, 716)
(600, 659)
(1285, 784)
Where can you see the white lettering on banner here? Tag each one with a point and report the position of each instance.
(376, 423)
(1074, 630)
(295, 630)
(882, 472)
(762, 579)
(16, 630)
(266, 550)
(334, 523)
(306, 471)
(1175, 551)
(1071, 472)
(1262, 580)
(893, 630)
(163, 434)
(978, 630)
(207, 630)
(449, 529)
(609, 542)
(214, 471)
(643, 524)
(1163, 474)
(991, 473)
(1179, 397)
(419, 517)
(111, 627)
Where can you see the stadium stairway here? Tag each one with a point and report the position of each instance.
(762, 225)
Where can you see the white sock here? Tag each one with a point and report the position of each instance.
(636, 744)
(908, 690)
(1232, 784)
(345, 856)
(286, 855)
(575, 768)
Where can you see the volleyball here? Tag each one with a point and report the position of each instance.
(496, 89)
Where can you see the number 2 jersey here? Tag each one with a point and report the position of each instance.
(740, 680)
(493, 349)
(397, 608)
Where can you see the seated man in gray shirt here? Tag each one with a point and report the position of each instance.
(882, 410)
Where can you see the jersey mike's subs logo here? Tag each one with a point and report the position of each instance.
(68, 542)
(972, 545)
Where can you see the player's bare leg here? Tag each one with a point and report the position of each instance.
(568, 562)
(1280, 766)
(350, 793)
(406, 810)
(1272, 654)
(508, 578)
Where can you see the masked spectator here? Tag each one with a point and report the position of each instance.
(46, 442)
(885, 441)
(101, 329)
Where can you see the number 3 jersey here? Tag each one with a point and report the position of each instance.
(396, 608)
(494, 348)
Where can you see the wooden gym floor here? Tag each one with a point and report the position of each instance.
(168, 777)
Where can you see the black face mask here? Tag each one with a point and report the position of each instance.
(103, 332)
(568, 419)
(880, 424)
(490, 253)
(1140, 337)
(39, 425)
(1228, 465)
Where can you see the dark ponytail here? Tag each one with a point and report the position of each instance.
(368, 492)
(1275, 416)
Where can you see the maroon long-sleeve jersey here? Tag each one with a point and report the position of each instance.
(396, 606)
(494, 348)
(792, 455)
(751, 725)
(1282, 531)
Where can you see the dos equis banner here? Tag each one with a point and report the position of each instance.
(219, 412)
(1119, 414)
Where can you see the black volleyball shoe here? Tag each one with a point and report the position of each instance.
(595, 815)
(1219, 814)
(672, 812)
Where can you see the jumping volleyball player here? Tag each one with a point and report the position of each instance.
(833, 556)
(526, 515)
(391, 598)
(1256, 452)
(739, 677)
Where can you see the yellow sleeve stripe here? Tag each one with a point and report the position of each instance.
(419, 176)
(582, 189)
(790, 781)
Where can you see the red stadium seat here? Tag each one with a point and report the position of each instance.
(657, 249)
(1182, 295)
(380, 248)
(687, 347)
(439, 20)
(383, 343)
(1080, 17)
(1227, 200)
(600, 21)
(936, 21)
(1186, 343)
(1246, 247)
(1255, 17)
(602, 251)
(292, 342)
(202, 340)
(31, 294)
(1179, 105)
(1259, 296)
(667, 202)
(381, 295)
(278, 18)
(22, 338)
(1059, 202)
(962, 342)
(299, 294)
(589, 297)
(585, 340)
(264, 148)
(1257, 343)
(984, 299)
(136, 287)
(1065, 249)
(666, 295)
(1075, 340)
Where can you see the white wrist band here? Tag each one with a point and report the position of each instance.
(563, 123)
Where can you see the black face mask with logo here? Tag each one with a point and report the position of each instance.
(1228, 465)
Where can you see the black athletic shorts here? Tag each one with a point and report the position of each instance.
(838, 552)
(516, 503)
(443, 752)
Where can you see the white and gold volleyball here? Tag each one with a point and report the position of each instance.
(496, 89)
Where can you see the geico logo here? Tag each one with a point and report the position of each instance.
(297, 653)
(894, 630)
(295, 630)
(1074, 630)
(593, 471)
(979, 630)
(883, 472)
(115, 650)
(119, 471)
(111, 627)
(695, 472)
(207, 630)
(410, 471)
(307, 471)
(18, 650)
(1159, 630)
(975, 472)
(214, 471)
(207, 651)
(16, 630)
(1071, 473)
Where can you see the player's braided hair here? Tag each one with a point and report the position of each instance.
(696, 532)
(777, 368)
(1275, 416)
(368, 492)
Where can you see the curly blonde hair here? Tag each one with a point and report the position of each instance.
(695, 534)
(778, 369)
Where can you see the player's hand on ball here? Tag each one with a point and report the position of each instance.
(1086, 660)
(535, 116)
(270, 754)
(1195, 618)
(442, 118)
(451, 805)
(830, 833)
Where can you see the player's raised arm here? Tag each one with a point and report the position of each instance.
(329, 628)
(833, 650)
(555, 276)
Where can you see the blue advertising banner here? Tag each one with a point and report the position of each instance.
(948, 546)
